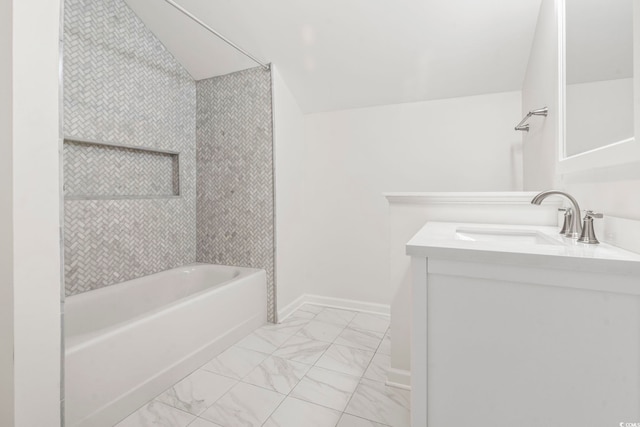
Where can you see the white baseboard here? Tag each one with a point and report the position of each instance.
(286, 311)
(345, 304)
(399, 378)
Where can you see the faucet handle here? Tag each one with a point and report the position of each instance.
(568, 216)
(592, 214)
(588, 234)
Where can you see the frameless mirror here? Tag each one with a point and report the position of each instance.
(598, 74)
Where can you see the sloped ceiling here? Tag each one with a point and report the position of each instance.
(337, 54)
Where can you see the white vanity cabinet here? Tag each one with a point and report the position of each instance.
(521, 327)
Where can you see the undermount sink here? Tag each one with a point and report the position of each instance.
(507, 236)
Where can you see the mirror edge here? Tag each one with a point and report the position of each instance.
(618, 153)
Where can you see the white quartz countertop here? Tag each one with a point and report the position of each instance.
(446, 240)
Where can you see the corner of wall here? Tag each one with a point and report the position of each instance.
(6, 215)
(540, 89)
(289, 159)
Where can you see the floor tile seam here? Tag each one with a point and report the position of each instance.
(218, 399)
(353, 346)
(293, 316)
(155, 399)
(272, 330)
(320, 404)
(236, 378)
(161, 403)
(360, 329)
(342, 373)
(264, 388)
(243, 379)
(360, 416)
(326, 323)
(204, 419)
(282, 394)
(271, 353)
(354, 392)
(239, 348)
(365, 329)
(237, 381)
(356, 348)
(341, 324)
(381, 341)
(383, 382)
(302, 400)
(314, 363)
(333, 371)
(277, 332)
(334, 340)
(289, 394)
(222, 375)
(279, 404)
(367, 419)
(350, 399)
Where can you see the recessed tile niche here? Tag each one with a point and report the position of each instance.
(102, 171)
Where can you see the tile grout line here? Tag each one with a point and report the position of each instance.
(362, 376)
(268, 355)
(186, 376)
(314, 365)
(292, 388)
(359, 377)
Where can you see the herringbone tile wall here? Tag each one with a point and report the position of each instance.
(235, 202)
(122, 86)
(95, 170)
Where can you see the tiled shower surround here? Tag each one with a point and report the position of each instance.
(235, 207)
(86, 165)
(122, 87)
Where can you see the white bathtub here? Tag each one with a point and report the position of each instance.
(128, 342)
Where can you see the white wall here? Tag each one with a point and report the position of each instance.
(539, 90)
(6, 217)
(351, 157)
(36, 235)
(290, 153)
(611, 190)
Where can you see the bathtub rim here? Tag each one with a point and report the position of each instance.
(77, 342)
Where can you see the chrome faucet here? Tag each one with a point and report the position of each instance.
(574, 229)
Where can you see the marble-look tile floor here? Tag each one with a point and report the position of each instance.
(320, 367)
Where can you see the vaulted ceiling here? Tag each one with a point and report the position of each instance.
(337, 54)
